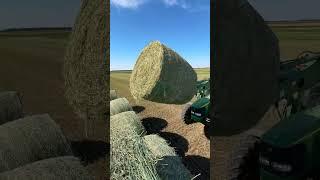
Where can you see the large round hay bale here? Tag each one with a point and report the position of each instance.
(125, 120)
(86, 66)
(10, 106)
(169, 165)
(119, 105)
(161, 75)
(30, 139)
(59, 168)
(245, 82)
(130, 158)
(113, 95)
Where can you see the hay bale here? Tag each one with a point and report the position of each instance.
(129, 158)
(65, 167)
(113, 95)
(30, 139)
(127, 119)
(161, 75)
(119, 105)
(10, 106)
(169, 165)
(245, 79)
(87, 64)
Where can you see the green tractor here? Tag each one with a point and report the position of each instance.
(198, 111)
(290, 150)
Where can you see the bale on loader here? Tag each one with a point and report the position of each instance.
(30, 139)
(10, 106)
(127, 119)
(130, 158)
(119, 105)
(87, 64)
(65, 167)
(169, 165)
(161, 75)
(113, 95)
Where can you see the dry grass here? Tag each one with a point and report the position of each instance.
(161, 75)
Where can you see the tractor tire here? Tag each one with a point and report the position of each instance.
(244, 160)
(186, 114)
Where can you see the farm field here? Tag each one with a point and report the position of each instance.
(31, 63)
(189, 140)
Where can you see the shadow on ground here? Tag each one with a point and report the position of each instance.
(198, 166)
(138, 109)
(179, 143)
(154, 125)
(90, 151)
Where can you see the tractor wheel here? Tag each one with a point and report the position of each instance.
(186, 114)
(244, 160)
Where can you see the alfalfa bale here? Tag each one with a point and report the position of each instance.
(127, 119)
(161, 75)
(129, 156)
(30, 139)
(10, 106)
(119, 105)
(113, 95)
(169, 165)
(86, 66)
(64, 167)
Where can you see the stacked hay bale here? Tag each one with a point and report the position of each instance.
(30, 139)
(86, 67)
(113, 95)
(161, 75)
(119, 105)
(169, 166)
(10, 106)
(65, 167)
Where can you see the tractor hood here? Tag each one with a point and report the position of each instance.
(294, 130)
(245, 68)
(201, 103)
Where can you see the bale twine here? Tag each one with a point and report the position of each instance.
(119, 105)
(65, 167)
(130, 158)
(30, 139)
(86, 66)
(113, 95)
(169, 165)
(10, 106)
(126, 120)
(161, 75)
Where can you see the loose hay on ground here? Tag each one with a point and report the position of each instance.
(161, 75)
(10, 106)
(113, 95)
(30, 139)
(119, 105)
(65, 167)
(170, 165)
(86, 67)
(128, 120)
(130, 158)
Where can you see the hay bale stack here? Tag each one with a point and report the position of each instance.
(66, 167)
(130, 158)
(126, 120)
(10, 106)
(30, 139)
(113, 95)
(161, 75)
(170, 165)
(86, 66)
(119, 105)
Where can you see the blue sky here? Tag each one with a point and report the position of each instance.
(183, 25)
